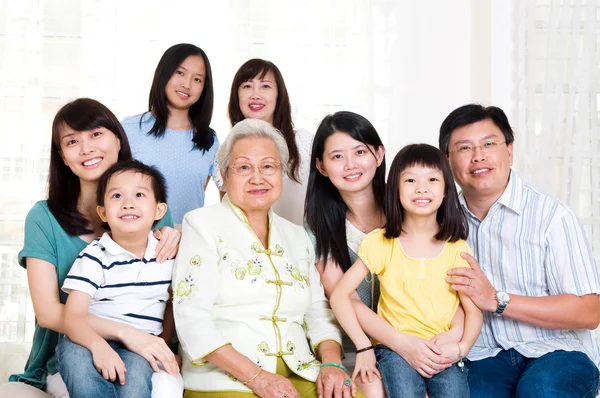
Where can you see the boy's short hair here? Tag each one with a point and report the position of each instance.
(159, 185)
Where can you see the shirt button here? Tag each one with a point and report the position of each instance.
(420, 276)
(422, 263)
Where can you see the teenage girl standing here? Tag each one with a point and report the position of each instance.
(175, 134)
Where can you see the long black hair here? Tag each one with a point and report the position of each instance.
(450, 215)
(325, 210)
(200, 113)
(282, 117)
(64, 188)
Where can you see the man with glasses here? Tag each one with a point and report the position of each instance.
(533, 273)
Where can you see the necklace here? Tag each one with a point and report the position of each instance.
(361, 227)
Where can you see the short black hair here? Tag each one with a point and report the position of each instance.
(159, 185)
(450, 215)
(473, 113)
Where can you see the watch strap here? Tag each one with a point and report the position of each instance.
(500, 308)
(501, 305)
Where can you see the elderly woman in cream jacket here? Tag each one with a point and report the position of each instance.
(251, 315)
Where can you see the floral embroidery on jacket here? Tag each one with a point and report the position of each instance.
(278, 250)
(240, 273)
(291, 347)
(257, 248)
(222, 248)
(300, 279)
(263, 347)
(303, 365)
(196, 261)
(255, 266)
(237, 270)
(184, 288)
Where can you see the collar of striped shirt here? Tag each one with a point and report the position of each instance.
(116, 250)
(512, 197)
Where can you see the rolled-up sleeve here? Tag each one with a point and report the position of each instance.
(195, 288)
(320, 322)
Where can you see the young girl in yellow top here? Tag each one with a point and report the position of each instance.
(424, 236)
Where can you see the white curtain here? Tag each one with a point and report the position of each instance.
(558, 97)
(558, 90)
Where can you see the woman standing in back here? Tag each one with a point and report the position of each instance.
(175, 134)
(258, 91)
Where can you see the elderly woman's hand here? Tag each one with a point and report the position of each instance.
(272, 385)
(331, 382)
(168, 243)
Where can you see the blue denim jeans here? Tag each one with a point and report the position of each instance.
(558, 374)
(76, 367)
(402, 381)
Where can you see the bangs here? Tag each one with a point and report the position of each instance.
(86, 114)
(81, 118)
(422, 155)
(255, 68)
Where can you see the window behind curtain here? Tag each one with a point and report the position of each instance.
(559, 104)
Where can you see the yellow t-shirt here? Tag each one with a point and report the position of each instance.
(415, 297)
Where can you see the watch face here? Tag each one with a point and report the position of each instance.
(503, 297)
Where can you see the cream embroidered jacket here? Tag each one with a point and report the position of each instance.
(229, 289)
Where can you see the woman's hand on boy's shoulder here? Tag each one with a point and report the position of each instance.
(168, 243)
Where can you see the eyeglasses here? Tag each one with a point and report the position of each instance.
(246, 169)
(468, 149)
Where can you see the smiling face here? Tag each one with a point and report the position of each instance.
(185, 87)
(254, 192)
(421, 191)
(348, 163)
(480, 173)
(129, 204)
(258, 98)
(89, 153)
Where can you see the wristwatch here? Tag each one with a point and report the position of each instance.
(503, 299)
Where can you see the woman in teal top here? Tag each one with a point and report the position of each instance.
(86, 140)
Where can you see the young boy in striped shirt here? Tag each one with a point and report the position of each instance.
(117, 277)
